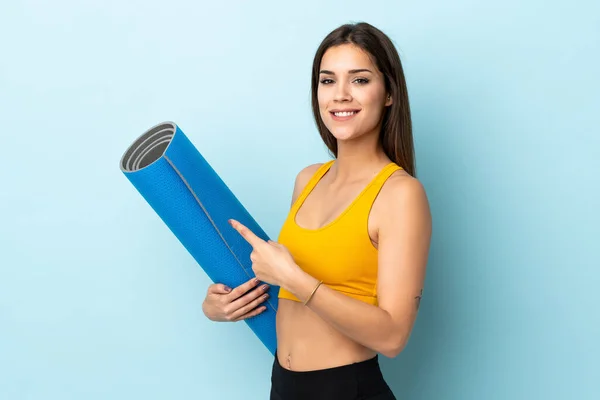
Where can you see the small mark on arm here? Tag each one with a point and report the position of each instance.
(418, 298)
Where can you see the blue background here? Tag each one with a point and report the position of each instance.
(98, 300)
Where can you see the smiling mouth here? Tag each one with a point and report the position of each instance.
(344, 113)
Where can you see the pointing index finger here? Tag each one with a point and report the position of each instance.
(246, 233)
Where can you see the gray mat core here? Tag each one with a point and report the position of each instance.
(148, 148)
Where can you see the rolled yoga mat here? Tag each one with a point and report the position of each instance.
(195, 204)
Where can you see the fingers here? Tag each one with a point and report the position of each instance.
(276, 244)
(251, 314)
(247, 302)
(248, 297)
(246, 233)
(251, 309)
(218, 288)
(243, 288)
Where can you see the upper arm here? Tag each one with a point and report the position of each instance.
(404, 239)
(302, 179)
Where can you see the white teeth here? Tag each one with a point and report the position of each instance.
(345, 113)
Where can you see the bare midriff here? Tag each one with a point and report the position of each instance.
(306, 342)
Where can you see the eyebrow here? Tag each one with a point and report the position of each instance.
(352, 71)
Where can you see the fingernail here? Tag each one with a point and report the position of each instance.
(265, 287)
(255, 280)
(227, 289)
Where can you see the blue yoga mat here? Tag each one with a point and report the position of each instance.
(195, 204)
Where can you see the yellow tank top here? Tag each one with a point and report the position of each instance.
(339, 253)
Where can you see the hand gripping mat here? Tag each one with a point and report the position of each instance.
(195, 204)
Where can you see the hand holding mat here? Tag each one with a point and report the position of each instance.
(195, 204)
(234, 304)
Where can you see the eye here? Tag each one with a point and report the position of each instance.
(361, 81)
(326, 81)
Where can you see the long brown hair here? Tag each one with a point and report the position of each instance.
(396, 131)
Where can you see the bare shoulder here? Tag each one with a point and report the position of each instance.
(403, 196)
(400, 186)
(302, 179)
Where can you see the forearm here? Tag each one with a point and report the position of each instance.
(364, 323)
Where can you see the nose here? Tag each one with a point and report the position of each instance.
(342, 93)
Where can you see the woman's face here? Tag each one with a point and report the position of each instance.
(351, 92)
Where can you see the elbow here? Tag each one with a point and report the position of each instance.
(393, 346)
(392, 352)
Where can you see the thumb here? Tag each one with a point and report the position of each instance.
(219, 288)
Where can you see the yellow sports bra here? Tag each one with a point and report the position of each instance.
(340, 253)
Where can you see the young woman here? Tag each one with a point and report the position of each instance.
(351, 256)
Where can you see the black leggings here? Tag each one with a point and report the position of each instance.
(358, 381)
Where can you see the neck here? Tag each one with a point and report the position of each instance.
(360, 158)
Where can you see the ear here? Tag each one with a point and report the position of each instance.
(388, 100)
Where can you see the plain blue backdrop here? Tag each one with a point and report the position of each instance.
(98, 300)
